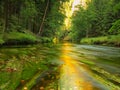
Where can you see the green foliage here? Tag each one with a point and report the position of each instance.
(14, 25)
(115, 29)
(116, 9)
(29, 9)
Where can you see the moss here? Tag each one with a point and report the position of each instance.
(22, 38)
(19, 38)
(87, 62)
(23, 64)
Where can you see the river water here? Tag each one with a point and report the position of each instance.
(64, 66)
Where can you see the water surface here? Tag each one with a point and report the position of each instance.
(64, 66)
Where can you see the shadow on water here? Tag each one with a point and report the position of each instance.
(45, 79)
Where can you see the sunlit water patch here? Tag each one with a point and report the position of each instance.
(73, 76)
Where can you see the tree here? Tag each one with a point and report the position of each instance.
(96, 19)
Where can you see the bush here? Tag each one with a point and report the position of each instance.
(46, 40)
(115, 29)
(1, 41)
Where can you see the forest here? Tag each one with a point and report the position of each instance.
(24, 22)
(99, 19)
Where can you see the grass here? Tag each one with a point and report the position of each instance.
(103, 40)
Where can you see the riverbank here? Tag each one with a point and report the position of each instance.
(22, 38)
(14, 38)
(112, 40)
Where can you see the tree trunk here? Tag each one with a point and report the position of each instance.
(40, 30)
(87, 33)
(6, 5)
